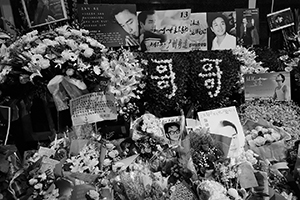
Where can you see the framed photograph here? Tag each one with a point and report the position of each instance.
(247, 21)
(43, 12)
(221, 31)
(275, 86)
(280, 19)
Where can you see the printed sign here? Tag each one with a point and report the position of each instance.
(43, 12)
(280, 19)
(172, 128)
(198, 31)
(111, 24)
(268, 86)
(225, 122)
(221, 32)
(247, 22)
(164, 30)
(93, 107)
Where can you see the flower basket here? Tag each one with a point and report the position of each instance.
(268, 142)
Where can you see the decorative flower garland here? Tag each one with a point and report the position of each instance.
(165, 81)
(211, 75)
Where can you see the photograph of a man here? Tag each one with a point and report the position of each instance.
(147, 21)
(43, 12)
(127, 19)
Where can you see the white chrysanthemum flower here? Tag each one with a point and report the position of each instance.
(33, 181)
(38, 186)
(88, 52)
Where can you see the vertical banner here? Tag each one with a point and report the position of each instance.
(225, 122)
(221, 30)
(164, 30)
(198, 32)
(247, 26)
(280, 19)
(112, 24)
(275, 86)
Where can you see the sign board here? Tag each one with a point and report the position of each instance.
(93, 107)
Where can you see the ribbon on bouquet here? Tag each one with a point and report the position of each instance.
(63, 88)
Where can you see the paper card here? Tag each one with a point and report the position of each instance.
(58, 171)
(79, 191)
(88, 178)
(198, 31)
(48, 164)
(107, 193)
(93, 107)
(246, 177)
(280, 19)
(226, 122)
(77, 145)
(43, 151)
(172, 128)
(192, 124)
(127, 161)
(275, 86)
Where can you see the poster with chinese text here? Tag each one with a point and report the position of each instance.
(164, 30)
(114, 25)
(225, 122)
(93, 107)
(198, 31)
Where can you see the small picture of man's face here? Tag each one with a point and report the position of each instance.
(173, 133)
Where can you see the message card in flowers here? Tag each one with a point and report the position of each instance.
(93, 107)
(225, 122)
(275, 86)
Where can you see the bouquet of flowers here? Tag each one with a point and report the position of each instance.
(55, 51)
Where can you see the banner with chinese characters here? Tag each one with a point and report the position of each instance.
(247, 23)
(275, 86)
(198, 31)
(164, 30)
(93, 107)
(111, 24)
(225, 122)
(280, 19)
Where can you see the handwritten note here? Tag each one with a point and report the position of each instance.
(93, 107)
